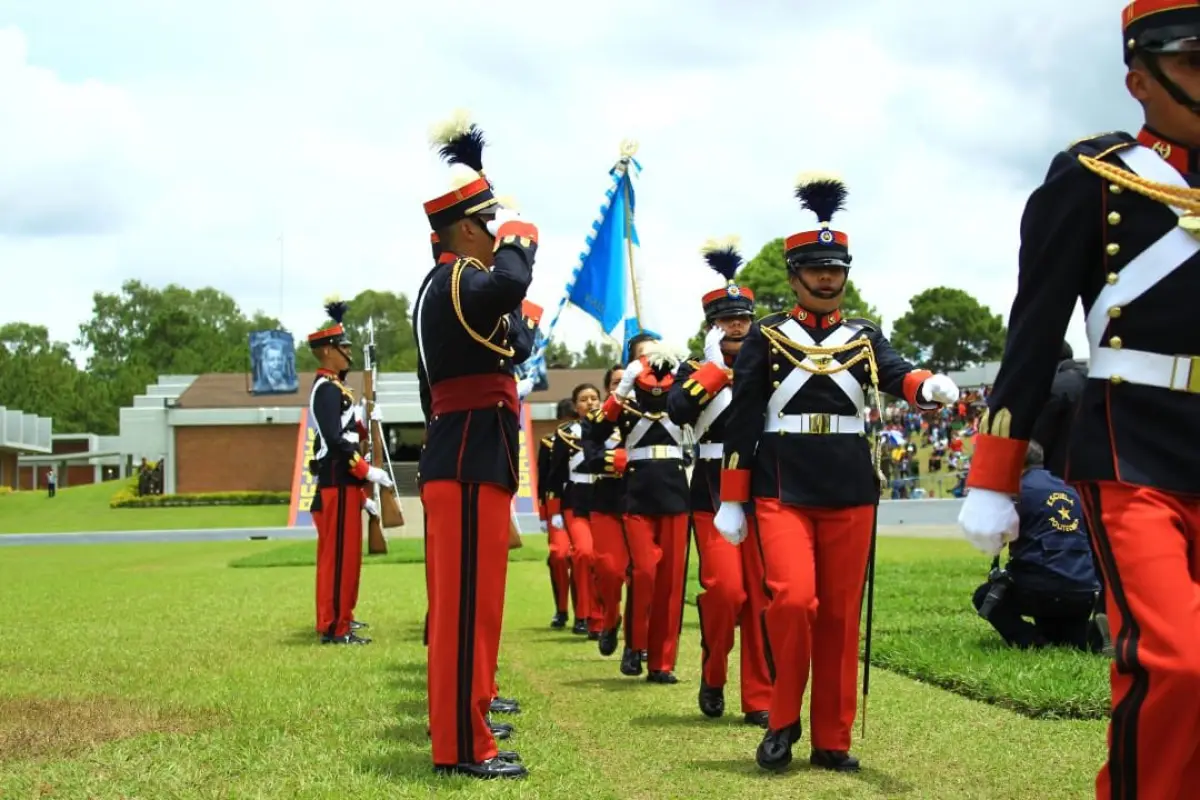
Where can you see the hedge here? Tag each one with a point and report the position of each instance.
(127, 497)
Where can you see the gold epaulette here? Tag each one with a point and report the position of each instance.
(596, 416)
(1181, 197)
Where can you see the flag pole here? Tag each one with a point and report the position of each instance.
(629, 149)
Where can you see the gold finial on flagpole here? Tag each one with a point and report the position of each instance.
(629, 148)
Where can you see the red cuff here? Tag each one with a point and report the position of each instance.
(712, 377)
(532, 312)
(359, 467)
(516, 229)
(612, 408)
(912, 385)
(553, 506)
(735, 486)
(542, 515)
(997, 463)
(616, 461)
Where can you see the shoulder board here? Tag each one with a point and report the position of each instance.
(695, 363)
(565, 427)
(1099, 145)
(548, 440)
(863, 322)
(774, 319)
(596, 415)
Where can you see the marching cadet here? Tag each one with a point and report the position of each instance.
(567, 500)
(557, 542)
(656, 520)
(1115, 224)
(608, 529)
(795, 445)
(342, 473)
(731, 575)
(463, 326)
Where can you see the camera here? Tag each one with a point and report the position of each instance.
(999, 582)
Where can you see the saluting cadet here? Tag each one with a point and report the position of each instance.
(557, 542)
(656, 520)
(464, 320)
(731, 575)
(608, 529)
(795, 445)
(1114, 224)
(342, 473)
(567, 499)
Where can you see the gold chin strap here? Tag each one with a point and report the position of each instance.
(456, 299)
(1186, 198)
(824, 363)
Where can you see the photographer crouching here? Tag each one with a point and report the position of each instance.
(1050, 576)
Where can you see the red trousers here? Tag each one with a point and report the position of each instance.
(815, 561)
(339, 557)
(467, 561)
(732, 579)
(612, 562)
(658, 551)
(583, 562)
(559, 563)
(1148, 546)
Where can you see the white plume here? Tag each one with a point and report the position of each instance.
(661, 354)
(447, 130)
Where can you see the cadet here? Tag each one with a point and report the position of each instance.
(557, 542)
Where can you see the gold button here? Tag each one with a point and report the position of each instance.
(500, 404)
(775, 367)
(1113, 249)
(1114, 312)
(1115, 343)
(1114, 218)
(781, 415)
(1112, 187)
(1131, 43)
(1111, 278)
(502, 362)
(1115, 379)
(775, 384)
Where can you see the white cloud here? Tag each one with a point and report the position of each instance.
(261, 118)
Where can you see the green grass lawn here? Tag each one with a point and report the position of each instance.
(157, 671)
(85, 508)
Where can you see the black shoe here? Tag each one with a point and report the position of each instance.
(580, 627)
(492, 768)
(355, 625)
(349, 638)
(504, 705)
(511, 756)
(775, 750)
(593, 636)
(559, 620)
(661, 676)
(644, 656)
(758, 718)
(837, 760)
(608, 642)
(501, 731)
(712, 700)
(631, 662)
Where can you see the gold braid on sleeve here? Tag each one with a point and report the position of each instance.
(456, 299)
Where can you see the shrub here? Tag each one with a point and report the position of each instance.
(127, 497)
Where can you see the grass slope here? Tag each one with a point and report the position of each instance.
(85, 508)
(183, 678)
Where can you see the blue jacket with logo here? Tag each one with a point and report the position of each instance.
(1052, 552)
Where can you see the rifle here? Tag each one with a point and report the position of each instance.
(389, 515)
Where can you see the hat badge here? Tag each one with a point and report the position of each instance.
(733, 290)
(825, 237)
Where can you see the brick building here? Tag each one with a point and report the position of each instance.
(20, 434)
(77, 459)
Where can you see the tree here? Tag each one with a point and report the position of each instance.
(38, 376)
(395, 346)
(948, 329)
(597, 356)
(766, 274)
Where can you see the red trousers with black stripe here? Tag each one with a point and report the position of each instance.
(733, 596)
(339, 557)
(559, 562)
(467, 564)
(815, 561)
(612, 563)
(1148, 547)
(658, 551)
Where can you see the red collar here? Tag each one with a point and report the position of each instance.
(327, 373)
(1181, 157)
(810, 320)
(447, 258)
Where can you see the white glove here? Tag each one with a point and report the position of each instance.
(372, 508)
(557, 521)
(502, 216)
(939, 389)
(376, 475)
(730, 522)
(712, 346)
(524, 387)
(360, 411)
(631, 374)
(989, 520)
(545, 526)
(376, 414)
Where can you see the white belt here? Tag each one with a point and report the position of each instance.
(580, 477)
(814, 423)
(710, 451)
(1179, 373)
(658, 451)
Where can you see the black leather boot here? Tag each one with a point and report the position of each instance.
(661, 676)
(511, 756)
(631, 662)
(837, 760)
(758, 718)
(355, 625)
(559, 620)
(485, 770)
(608, 642)
(500, 730)
(775, 750)
(504, 705)
(349, 638)
(580, 627)
(712, 700)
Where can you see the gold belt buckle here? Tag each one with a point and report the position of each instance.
(819, 423)
(658, 451)
(1193, 381)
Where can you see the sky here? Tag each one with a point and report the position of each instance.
(278, 149)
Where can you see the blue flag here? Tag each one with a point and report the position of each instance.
(600, 285)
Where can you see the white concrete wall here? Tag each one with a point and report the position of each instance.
(25, 432)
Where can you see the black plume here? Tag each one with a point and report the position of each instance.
(336, 309)
(465, 148)
(823, 195)
(724, 259)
